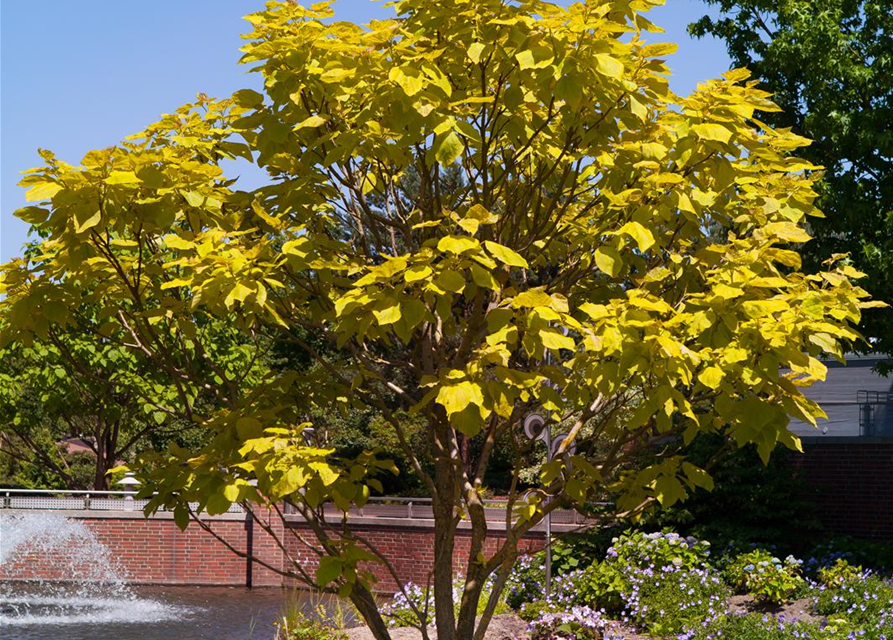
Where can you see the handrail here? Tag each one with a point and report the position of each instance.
(73, 492)
(102, 500)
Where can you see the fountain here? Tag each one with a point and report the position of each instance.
(78, 580)
(58, 580)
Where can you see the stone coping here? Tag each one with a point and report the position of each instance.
(866, 440)
(398, 523)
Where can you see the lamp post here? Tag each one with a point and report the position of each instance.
(130, 483)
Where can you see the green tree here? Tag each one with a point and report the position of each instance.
(829, 65)
(88, 383)
(569, 271)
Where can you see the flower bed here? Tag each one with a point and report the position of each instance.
(661, 585)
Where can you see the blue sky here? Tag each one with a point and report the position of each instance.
(77, 75)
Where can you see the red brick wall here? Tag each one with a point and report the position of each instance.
(851, 484)
(155, 551)
(410, 551)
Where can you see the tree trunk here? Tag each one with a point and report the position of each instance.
(471, 596)
(100, 481)
(365, 603)
(444, 504)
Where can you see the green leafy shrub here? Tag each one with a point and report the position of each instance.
(322, 624)
(756, 627)
(607, 584)
(579, 550)
(839, 574)
(660, 581)
(867, 601)
(878, 556)
(310, 629)
(751, 502)
(638, 549)
(530, 611)
(671, 601)
(736, 568)
(604, 585)
(765, 577)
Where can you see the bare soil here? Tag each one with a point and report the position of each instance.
(795, 610)
(502, 627)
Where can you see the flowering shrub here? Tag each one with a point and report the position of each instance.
(577, 623)
(840, 573)
(878, 556)
(673, 600)
(739, 626)
(525, 584)
(867, 600)
(765, 577)
(658, 550)
(608, 582)
(664, 585)
(401, 610)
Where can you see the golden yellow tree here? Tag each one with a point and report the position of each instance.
(646, 242)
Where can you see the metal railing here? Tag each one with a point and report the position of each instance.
(421, 509)
(377, 507)
(51, 499)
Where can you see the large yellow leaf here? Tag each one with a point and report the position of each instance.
(609, 65)
(310, 123)
(450, 280)
(417, 272)
(554, 339)
(505, 255)
(388, 315)
(532, 298)
(711, 377)
(711, 131)
(42, 191)
(475, 50)
(787, 231)
(457, 244)
(448, 148)
(457, 397)
(122, 177)
(643, 236)
(411, 82)
(609, 260)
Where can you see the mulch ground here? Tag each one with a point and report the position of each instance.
(511, 627)
(503, 627)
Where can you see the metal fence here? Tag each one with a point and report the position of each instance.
(379, 507)
(48, 499)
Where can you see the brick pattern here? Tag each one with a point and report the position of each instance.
(155, 551)
(851, 485)
(410, 551)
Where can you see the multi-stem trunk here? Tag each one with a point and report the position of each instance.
(445, 522)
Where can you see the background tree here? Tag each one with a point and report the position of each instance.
(569, 271)
(87, 383)
(829, 65)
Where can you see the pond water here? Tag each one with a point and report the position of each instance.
(47, 612)
(85, 597)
